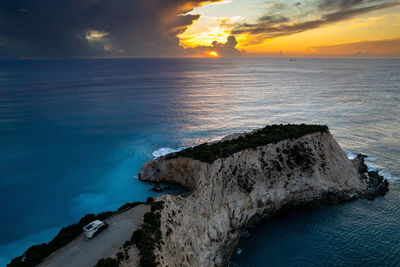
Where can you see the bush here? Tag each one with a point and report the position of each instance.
(36, 254)
(109, 262)
(268, 135)
(120, 256)
(157, 205)
(149, 235)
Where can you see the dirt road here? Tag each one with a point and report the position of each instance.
(86, 253)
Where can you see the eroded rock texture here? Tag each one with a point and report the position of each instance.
(201, 228)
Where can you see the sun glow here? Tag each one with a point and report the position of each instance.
(353, 36)
(207, 30)
(212, 54)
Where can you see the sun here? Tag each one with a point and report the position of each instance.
(212, 54)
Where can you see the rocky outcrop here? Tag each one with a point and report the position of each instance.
(233, 191)
(376, 184)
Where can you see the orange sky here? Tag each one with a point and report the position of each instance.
(371, 33)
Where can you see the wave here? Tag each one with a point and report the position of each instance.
(385, 173)
(165, 151)
(215, 139)
(350, 155)
(389, 176)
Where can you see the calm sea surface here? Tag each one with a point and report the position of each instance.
(74, 133)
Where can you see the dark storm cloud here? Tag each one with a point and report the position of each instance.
(275, 24)
(74, 28)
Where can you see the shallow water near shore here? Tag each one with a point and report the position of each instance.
(74, 133)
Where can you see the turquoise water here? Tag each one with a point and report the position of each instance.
(74, 133)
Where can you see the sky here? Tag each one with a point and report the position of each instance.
(199, 28)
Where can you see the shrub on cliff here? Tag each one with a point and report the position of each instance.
(36, 254)
(149, 235)
(267, 135)
(109, 262)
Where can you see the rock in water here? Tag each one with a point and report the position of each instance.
(238, 186)
(156, 189)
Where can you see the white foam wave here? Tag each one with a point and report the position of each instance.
(215, 139)
(387, 174)
(165, 151)
(350, 155)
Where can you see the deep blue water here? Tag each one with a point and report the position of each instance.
(74, 133)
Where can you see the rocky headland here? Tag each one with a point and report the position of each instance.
(232, 183)
(241, 179)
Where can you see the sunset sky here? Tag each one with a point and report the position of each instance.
(199, 28)
(357, 30)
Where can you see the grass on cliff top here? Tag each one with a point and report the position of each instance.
(267, 135)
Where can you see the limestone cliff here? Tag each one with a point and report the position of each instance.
(232, 190)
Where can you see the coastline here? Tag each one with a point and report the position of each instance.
(376, 185)
(36, 254)
(82, 252)
(205, 226)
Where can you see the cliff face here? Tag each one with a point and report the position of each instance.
(227, 194)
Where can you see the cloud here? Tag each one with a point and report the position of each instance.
(227, 49)
(381, 48)
(207, 30)
(275, 24)
(85, 28)
(341, 4)
(151, 28)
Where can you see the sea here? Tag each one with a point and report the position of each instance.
(75, 132)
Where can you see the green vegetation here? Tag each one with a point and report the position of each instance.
(268, 135)
(149, 235)
(109, 262)
(36, 254)
(157, 206)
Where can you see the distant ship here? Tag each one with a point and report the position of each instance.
(292, 59)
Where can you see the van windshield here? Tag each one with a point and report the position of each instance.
(88, 227)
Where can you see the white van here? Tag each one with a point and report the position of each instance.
(93, 228)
